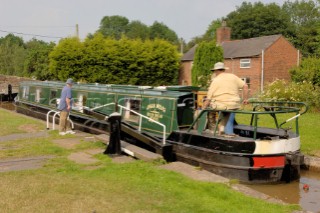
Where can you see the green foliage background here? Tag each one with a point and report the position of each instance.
(117, 26)
(123, 61)
(206, 55)
(309, 70)
(293, 91)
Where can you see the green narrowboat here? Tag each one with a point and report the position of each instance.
(162, 119)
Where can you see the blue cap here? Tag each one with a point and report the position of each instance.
(69, 81)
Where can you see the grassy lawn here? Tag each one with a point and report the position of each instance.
(11, 124)
(64, 186)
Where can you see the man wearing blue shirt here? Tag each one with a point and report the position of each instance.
(65, 106)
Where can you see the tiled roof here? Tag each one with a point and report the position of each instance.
(239, 48)
(247, 47)
(188, 56)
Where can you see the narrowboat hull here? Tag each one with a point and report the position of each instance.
(234, 160)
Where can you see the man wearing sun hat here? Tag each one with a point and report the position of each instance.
(223, 93)
(65, 106)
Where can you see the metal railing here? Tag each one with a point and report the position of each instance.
(140, 118)
(54, 119)
(269, 108)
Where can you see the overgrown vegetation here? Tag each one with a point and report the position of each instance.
(206, 55)
(291, 91)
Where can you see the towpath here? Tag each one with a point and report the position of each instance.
(87, 158)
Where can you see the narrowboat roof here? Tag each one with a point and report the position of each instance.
(171, 91)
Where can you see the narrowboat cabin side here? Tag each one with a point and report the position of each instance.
(171, 106)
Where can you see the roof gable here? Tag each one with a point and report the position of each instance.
(239, 48)
(247, 47)
(188, 56)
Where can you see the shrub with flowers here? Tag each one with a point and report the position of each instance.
(291, 91)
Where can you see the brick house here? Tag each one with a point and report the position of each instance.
(258, 61)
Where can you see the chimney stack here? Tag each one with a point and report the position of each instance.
(223, 33)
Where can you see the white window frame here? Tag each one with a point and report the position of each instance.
(245, 63)
(38, 95)
(25, 93)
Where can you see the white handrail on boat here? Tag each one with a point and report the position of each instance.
(48, 114)
(140, 119)
(54, 118)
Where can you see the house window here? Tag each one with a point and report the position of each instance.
(245, 63)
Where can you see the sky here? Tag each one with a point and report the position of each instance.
(51, 20)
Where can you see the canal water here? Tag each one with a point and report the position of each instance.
(305, 192)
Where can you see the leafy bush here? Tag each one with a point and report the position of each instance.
(124, 61)
(291, 91)
(309, 70)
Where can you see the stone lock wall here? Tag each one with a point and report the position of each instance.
(5, 80)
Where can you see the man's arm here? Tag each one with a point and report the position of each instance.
(68, 101)
(245, 94)
(206, 103)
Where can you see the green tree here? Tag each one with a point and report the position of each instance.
(305, 16)
(161, 63)
(162, 31)
(254, 20)
(12, 55)
(96, 58)
(210, 34)
(13, 40)
(113, 26)
(206, 55)
(136, 29)
(107, 60)
(66, 60)
(303, 12)
(37, 59)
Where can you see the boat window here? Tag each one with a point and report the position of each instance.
(185, 110)
(25, 93)
(134, 105)
(79, 102)
(53, 98)
(38, 95)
